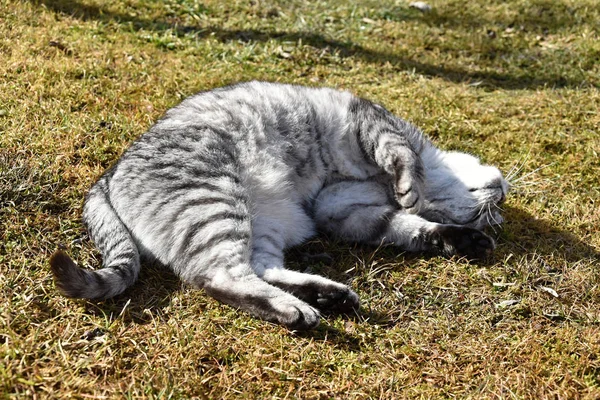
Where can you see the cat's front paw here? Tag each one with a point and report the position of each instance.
(459, 240)
(408, 181)
(409, 196)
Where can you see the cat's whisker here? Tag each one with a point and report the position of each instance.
(527, 183)
(522, 191)
(519, 179)
(515, 169)
(499, 207)
(494, 218)
(511, 170)
(493, 227)
(492, 215)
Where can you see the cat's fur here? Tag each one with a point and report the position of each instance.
(228, 179)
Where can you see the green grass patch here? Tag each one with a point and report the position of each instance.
(515, 82)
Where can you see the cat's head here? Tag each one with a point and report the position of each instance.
(460, 190)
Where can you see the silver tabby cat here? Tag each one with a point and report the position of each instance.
(227, 180)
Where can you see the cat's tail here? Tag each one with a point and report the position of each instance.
(120, 254)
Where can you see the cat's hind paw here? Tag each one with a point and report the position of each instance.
(296, 316)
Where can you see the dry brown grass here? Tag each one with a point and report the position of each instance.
(514, 82)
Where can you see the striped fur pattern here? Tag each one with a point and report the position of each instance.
(227, 180)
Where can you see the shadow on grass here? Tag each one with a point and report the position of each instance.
(326, 333)
(538, 16)
(145, 300)
(523, 235)
(544, 16)
(527, 234)
(148, 298)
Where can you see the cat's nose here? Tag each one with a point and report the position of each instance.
(496, 182)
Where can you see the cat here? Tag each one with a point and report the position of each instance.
(227, 180)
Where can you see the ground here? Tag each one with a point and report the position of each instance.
(514, 82)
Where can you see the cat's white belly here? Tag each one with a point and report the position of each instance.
(276, 208)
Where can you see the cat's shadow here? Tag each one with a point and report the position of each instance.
(152, 296)
(521, 235)
(145, 301)
(525, 234)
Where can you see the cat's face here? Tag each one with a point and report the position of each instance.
(460, 190)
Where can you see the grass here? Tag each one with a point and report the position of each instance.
(515, 82)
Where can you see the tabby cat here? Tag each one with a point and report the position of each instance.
(227, 180)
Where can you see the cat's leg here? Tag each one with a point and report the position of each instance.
(215, 255)
(235, 283)
(413, 233)
(240, 287)
(363, 212)
(394, 146)
(267, 260)
(406, 168)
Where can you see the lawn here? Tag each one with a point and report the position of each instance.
(515, 82)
